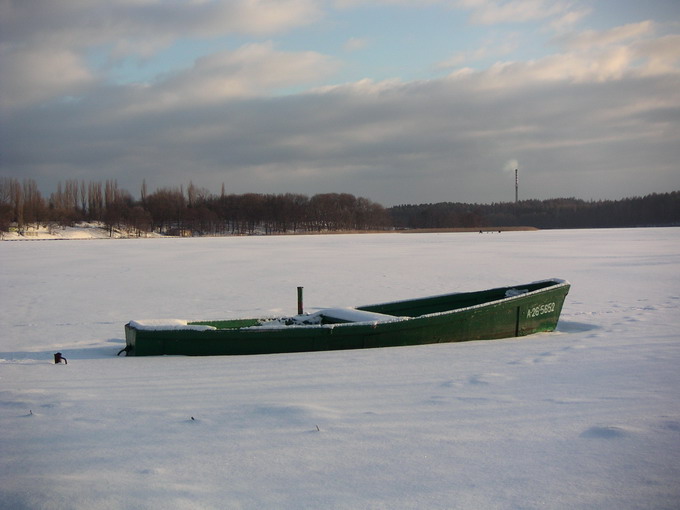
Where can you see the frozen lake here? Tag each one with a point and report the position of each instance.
(586, 417)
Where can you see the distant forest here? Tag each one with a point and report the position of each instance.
(652, 210)
(184, 212)
(195, 211)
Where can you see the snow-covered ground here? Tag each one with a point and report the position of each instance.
(587, 417)
(79, 231)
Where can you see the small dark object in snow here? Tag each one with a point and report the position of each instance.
(58, 358)
(193, 418)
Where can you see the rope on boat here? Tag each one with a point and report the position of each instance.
(125, 349)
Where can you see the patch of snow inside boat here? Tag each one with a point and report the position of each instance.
(330, 317)
(167, 325)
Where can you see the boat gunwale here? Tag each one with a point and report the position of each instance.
(559, 283)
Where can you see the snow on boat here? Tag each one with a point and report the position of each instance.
(488, 314)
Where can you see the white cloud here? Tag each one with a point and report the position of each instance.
(355, 43)
(491, 12)
(567, 20)
(44, 43)
(346, 4)
(589, 39)
(590, 56)
(662, 55)
(33, 75)
(75, 23)
(493, 48)
(250, 71)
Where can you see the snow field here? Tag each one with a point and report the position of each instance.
(586, 417)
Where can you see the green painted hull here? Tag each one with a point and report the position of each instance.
(489, 314)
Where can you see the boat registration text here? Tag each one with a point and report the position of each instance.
(543, 309)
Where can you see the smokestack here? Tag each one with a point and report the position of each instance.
(516, 186)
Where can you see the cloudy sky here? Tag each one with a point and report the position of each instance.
(399, 101)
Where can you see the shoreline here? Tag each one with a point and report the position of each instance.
(96, 233)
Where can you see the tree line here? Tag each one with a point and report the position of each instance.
(180, 211)
(196, 211)
(651, 210)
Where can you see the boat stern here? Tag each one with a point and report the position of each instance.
(130, 340)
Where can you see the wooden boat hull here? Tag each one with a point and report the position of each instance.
(490, 314)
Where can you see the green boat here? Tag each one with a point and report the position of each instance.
(503, 312)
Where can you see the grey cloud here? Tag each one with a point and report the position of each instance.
(395, 143)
